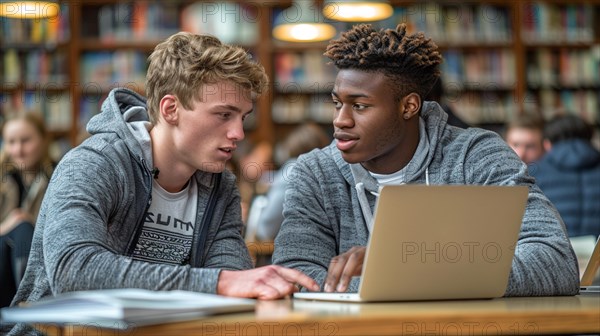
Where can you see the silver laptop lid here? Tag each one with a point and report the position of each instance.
(442, 242)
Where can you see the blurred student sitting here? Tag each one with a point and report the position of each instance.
(525, 135)
(25, 171)
(302, 140)
(569, 174)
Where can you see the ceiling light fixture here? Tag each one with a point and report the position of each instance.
(29, 9)
(350, 10)
(302, 22)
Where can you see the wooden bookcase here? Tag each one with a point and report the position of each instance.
(502, 57)
(35, 72)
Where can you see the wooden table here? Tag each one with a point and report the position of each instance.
(511, 316)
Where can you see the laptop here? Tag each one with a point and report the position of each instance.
(438, 243)
(590, 273)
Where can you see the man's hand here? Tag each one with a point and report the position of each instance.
(343, 267)
(266, 283)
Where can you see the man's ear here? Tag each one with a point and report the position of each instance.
(410, 105)
(168, 109)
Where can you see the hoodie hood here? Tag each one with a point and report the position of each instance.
(122, 106)
(574, 154)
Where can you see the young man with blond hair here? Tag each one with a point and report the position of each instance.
(145, 202)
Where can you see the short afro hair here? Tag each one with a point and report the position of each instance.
(411, 61)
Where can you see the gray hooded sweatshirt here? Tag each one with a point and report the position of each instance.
(93, 212)
(330, 201)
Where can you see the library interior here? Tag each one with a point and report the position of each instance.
(502, 60)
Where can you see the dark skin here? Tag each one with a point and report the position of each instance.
(377, 130)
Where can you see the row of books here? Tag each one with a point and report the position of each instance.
(54, 106)
(34, 67)
(488, 107)
(109, 69)
(303, 72)
(231, 22)
(89, 106)
(139, 20)
(585, 103)
(552, 22)
(565, 67)
(455, 22)
(317, 108)
(49, 31)
(492, 69)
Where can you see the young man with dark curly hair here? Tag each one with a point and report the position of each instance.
(145, 201)
(385, 134)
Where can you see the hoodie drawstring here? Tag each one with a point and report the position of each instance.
(364, 202)
(364, 205)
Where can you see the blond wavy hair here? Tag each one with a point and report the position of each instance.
(185, 62)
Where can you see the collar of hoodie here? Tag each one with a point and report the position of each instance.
(365, 207)
(365, 182)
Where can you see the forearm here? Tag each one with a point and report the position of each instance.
(89, 268)
(544, 262)
(300, 246)
(544, 272)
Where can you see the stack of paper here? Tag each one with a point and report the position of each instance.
(124, 308)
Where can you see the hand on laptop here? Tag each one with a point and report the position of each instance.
(343, 267)
(266, 283)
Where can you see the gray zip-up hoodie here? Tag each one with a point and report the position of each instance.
(93, 212)
(324, 217)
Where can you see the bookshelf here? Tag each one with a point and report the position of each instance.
(34, 73)
(501, 57)
(479, 70)
(562, 55)
(118, 36)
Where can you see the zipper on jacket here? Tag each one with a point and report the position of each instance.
(201, 231)
(140, 224)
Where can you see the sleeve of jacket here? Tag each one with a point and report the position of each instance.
(306, 240)
(544, 261)
(80, 201)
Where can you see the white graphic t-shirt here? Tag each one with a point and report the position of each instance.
(168, 226)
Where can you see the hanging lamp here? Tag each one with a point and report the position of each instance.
(357, 10)
(302, 22)
(29, 9)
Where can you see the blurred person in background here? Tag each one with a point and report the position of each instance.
(569, 174)
(249, 165)
(525, 135)
(26, 170)
(302, 140)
